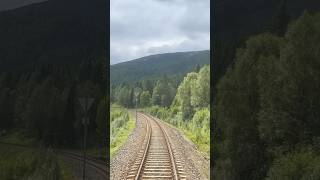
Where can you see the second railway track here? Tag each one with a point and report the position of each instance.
(156, 159)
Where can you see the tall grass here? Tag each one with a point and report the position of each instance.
(18, 163)
(29, 163)
(121, 124)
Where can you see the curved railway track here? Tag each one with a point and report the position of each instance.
(155, 159)
(98, 165)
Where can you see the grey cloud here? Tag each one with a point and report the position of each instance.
(144, 27)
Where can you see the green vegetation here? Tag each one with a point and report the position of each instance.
(182, 102)
(43, 103)
(16, 136)
(27, 163)
(20, 163)
(189, 110)
(303, 164)
(267, 107)
(122, 124)
(159, 91)
(155, 66)
(50, 56)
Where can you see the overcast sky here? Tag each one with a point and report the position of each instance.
(144, 27)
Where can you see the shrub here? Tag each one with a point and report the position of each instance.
(302, 165)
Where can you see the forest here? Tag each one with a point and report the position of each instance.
(266, 109)
(43, 102)
(52, 54)
(155, 66)
(39, 108)
(182, 102)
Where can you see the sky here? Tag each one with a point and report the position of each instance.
(144, 27)
(11, 4)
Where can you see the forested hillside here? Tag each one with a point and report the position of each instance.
(267, 107)
(52, 53)
(52, 32)
(154, 66)
(44, 102)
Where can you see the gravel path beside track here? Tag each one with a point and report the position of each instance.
(120, 164)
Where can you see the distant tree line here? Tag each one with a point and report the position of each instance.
(159, 91)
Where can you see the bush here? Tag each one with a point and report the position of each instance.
(302, 165)
(121, 126)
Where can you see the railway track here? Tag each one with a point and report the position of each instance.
(98, 165)
(155, 159)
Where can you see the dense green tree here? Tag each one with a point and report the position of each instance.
(183, 97)
(147, 85)
(201, 91)
(280, 20)
(124, 96)
(156, 95)
(303, 165)
(268, 104)
(145, 99)
(6, 108)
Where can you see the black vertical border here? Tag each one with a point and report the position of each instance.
(107, 50)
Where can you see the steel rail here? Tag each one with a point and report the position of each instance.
(139, 174)
(93, 163)
(173, 162)
(149, 131)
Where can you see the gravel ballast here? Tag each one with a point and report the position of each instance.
(195, 164)
(121, 161)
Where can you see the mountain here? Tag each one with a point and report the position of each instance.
(52, 32)
(157, 65)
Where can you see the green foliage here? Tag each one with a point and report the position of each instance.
(102, 118)
(43, 101)
(201, 91)
(280, 21)
(189, 110)
(301, 165)
(268, 102)
(200, 128)
(184, 96)
(145, 99)
(162, 91)
(30, 164)
(155, 66)
(17, 136)
(121, 125)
